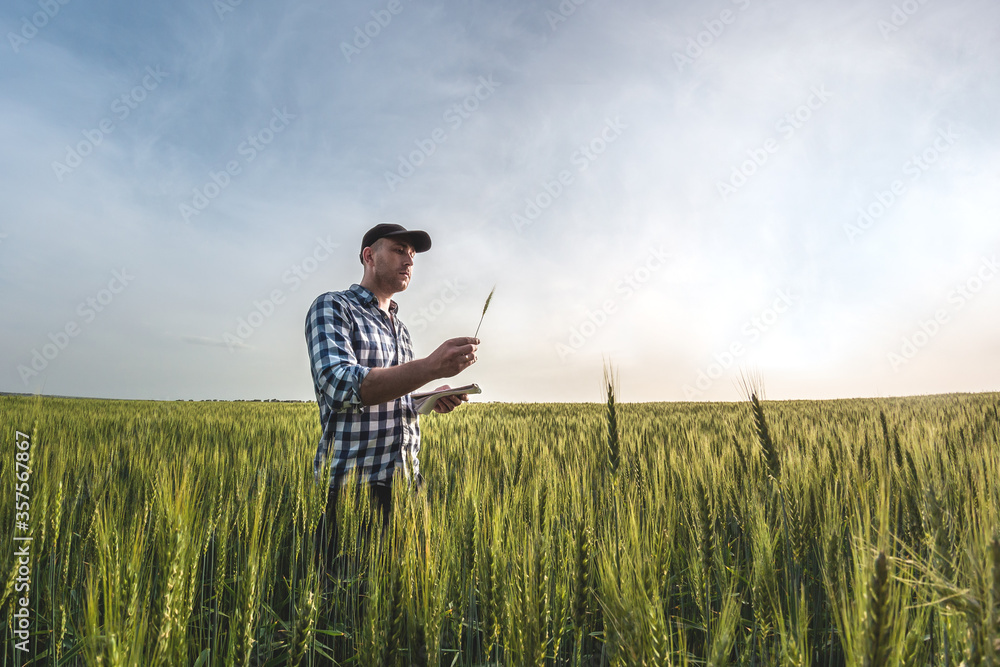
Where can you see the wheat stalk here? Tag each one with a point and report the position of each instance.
(485, 306)
(611, 383)
(993, 599)
(752, 386)
(877, 617)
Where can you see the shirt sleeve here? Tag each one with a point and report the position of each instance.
(335, 368)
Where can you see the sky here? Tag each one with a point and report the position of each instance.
(687, 191)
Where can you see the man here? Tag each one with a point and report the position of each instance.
(363, 372)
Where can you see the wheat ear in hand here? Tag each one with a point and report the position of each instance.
(485, 306)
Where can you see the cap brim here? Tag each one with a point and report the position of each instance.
(421, 241)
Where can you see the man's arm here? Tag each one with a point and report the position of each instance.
(335, 368)
(382, 385)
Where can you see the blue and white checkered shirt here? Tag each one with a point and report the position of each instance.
(348, 335)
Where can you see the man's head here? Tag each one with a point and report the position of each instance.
(387, 253)
(418, 240)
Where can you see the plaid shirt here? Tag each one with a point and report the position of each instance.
(348, 335)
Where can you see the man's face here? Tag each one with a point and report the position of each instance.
(393, 263)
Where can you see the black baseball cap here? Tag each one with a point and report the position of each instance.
(421, 241)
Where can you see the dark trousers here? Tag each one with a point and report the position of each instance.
(327, 536)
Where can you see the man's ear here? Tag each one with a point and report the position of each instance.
(371, 252)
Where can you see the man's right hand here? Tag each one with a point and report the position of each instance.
(453, 356)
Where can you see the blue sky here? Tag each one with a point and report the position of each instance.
(804, 189)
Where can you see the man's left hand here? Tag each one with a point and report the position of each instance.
(448, 403)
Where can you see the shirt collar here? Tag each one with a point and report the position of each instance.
(367, 297)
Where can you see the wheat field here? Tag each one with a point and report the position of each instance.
(850, 532)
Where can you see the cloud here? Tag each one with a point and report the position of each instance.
(213, 342)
